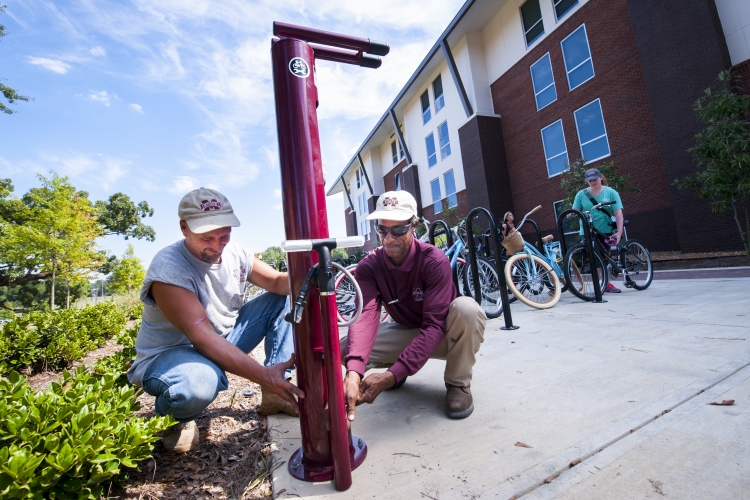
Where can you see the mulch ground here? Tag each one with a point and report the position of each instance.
(233, 461)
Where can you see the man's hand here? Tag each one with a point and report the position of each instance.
(273, 381)
(373, 385)
(351, 393)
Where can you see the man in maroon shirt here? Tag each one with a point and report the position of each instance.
(413, 281)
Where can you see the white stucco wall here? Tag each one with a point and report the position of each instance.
(735, 21)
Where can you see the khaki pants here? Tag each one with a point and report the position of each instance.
(464, 333)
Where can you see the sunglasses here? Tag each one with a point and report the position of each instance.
(395, 231)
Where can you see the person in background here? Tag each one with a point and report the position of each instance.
(508, 223)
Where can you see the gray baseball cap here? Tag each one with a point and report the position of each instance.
(205, 210)
(592, 174)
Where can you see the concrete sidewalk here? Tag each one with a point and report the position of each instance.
(622, 386)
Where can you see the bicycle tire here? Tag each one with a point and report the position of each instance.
(638, 268)
(346, 298)
(489, 283)
(532, 281)
(578, 274)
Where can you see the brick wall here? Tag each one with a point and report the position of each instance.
(682, 49)
(620, 86)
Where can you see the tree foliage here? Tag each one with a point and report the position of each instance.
(10, 94)
(127, 273)
(273, 255)
(49, 234)
(120, 215)
(722, 150)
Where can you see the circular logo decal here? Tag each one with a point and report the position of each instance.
(299, 67)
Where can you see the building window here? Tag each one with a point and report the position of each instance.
(364, 228)
(398, 181)
(437, 200)
(450, 189)
(400, 150)
(555, 150)
(592, 135)
(359, 201)
(437, 91)
(359, 179)
(577, 57)
(562, 7)
(425, 98)
(431, 152)
(445, 141)
(531, 16)
(543, 82)
(394, 152)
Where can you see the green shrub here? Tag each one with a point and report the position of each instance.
(119, 362)
(130, 303)
(73, 439)
(55, 339)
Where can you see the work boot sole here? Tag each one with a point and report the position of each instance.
(460, 414)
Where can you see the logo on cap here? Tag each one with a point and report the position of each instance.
(208, 205)
(299, 67)
(392, 202)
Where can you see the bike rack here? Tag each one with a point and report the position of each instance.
(325, 453)
(539, 245)
(499, 264)
(589, 246)
(449, 237)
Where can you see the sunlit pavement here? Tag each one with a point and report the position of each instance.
(623, 386)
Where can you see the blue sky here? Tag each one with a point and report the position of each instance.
(156, 97)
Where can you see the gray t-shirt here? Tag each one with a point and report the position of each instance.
(218, 288)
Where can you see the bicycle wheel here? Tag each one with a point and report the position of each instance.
(637, 269)
(578, 272)
(533, 281)
(489, 284)
(346, 296)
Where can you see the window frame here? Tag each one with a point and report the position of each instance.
(358, 175)
(394, 152)
(554, 9)
(448, 143)
(431, 135)
(529, 43)
(591, 58)
(533, 83)
(605, 135)
(397, 179)
(544, 148)
(426, 113)
(440, 194)
(438, 98)
(455, 191)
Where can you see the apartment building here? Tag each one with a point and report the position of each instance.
(512, 90)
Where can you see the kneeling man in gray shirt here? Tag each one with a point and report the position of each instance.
(195, 326)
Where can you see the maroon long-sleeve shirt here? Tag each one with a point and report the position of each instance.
(416, 294)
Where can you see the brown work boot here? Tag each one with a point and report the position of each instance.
(271, 404)
(181, 438)
(458, 401)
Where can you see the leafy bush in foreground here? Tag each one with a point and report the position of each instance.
(55, 339)
(71, 440)
(120, 361)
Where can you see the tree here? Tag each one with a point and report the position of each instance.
(120, 215)
(273, 255)
(722, 148)
(128, 273)
(10, 94)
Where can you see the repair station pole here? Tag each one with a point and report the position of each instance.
(328, 451)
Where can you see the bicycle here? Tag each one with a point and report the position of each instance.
(534, 277)
(633, 261)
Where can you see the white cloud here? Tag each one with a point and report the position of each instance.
(182, 184)
(54, 65)
(98, 51)
(277, 207)
(106, 170)
(136, 107)
(99, 96)
(277, 193)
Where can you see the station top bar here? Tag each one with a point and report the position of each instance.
(329, 38)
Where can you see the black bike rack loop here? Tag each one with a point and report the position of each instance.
(539, 245)
(449, 243)
(589, 247)
(499, 264)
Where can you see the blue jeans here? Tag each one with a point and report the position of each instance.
(185, 382)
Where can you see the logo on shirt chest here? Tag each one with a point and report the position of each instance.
(418, 294)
